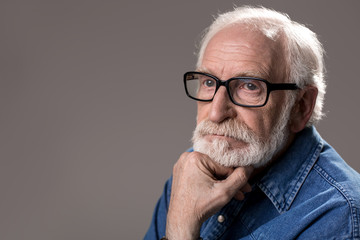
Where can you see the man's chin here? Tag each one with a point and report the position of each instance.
(223, 153)
(229, 164)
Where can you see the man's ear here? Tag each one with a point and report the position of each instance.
(303, 108)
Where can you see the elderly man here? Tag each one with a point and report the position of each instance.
(258, 168)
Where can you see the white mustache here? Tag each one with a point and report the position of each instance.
(230, 128)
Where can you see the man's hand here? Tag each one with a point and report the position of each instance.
(200, 188)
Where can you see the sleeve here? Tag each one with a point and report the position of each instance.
(158, 223)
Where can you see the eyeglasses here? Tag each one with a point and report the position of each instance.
(243, 91)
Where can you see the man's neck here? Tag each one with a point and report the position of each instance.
(260, 171)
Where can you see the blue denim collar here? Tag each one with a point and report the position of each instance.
(283, 180)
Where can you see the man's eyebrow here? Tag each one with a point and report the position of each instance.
(203, 70)
(251, 74)
(254, 74)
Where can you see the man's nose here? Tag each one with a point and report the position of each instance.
(221, 107)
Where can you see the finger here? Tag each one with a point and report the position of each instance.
(218, 171)
(247, 188)
(221, 172)
(239, 196)
(238, 178)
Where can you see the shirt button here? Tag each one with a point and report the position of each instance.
(221, 218)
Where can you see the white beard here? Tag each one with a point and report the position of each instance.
(257, 152)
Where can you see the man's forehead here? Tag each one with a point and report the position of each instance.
(256, 54)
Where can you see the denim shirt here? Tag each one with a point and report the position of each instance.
(309, 193)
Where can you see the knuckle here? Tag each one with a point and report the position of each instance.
(185, 161)
(183, 156)
(195, 155)
(192, 160)
(242, 175)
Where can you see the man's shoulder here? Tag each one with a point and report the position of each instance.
(332, 193)
(337, 173)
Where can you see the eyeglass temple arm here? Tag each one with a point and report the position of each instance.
(283, 86)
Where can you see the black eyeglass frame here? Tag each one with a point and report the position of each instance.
(269, 86)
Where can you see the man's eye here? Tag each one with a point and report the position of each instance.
(250, 86)
(209, 83)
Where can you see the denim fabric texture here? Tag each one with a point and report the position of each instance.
(309, 193)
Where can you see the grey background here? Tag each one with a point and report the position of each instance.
(93, 113)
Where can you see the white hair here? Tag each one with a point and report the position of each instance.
(303, 51)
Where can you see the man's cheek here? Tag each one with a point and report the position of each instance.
(202, 111)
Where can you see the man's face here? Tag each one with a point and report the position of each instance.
(238, 52)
